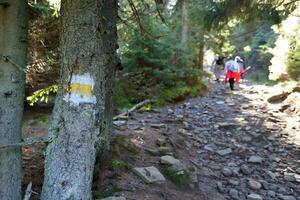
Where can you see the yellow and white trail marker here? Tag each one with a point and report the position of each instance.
(80, 90)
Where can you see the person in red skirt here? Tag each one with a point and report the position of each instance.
(232, 72)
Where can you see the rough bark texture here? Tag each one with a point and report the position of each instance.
(82, 114)
(13, 32)
(185, 27)
(201, 54)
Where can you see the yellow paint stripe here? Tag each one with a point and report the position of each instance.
(83, 89)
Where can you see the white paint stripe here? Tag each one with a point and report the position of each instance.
(83, 79)
(75, 97)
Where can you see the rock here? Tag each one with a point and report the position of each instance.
(158, 126)
(265, 184)
(169, 160)
(278, 98)
(152, 152)
(184, 132)
(226, 171)
(245, 169)
(114, 198)
(271, 193)
(254, 185)
(220, 102)
(234, 194)
(161, 142)
(248, 128)
(119, 122)
(234, 182)
(209, 147)
(149, 174)
(255, 159)
(254, 196)
(271, 174)
(165, 150)
(178, 167)
(246, 139)
(220, 187)
(286, 197)
(179, 117)
(224, 152)
(289, 177)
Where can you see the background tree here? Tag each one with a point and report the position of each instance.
(13, 36)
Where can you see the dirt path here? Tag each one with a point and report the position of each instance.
(229, 145)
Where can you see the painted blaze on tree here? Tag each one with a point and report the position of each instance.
(82, 114)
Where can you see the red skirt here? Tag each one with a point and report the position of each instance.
(234, 75)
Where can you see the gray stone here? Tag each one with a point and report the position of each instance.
(245, 169)
(286, 197)
(165, 150)
(119, 122)
(271, 193)
(169, 160)
(114, 198)
(254, 196)
(226, 171)
(184, 132)
(254, 185)
(234, 194)
(178, 167)
(161, 142)
(220, 187)
(289, 177)
(234, 182)
(209, 147)
(149, 174)
(157, 125)
(255, 159)
(271, 174)
(246, 139)
(224, 152)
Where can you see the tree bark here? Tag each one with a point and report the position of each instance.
(185, 24)
(83, 110)
(13, 34)
(201, 53)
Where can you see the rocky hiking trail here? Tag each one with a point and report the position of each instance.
(224, 145)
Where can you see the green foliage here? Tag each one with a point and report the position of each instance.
(179, 178)
(41, 95)
(108, 191)
(120, 165)
(147, 108)
(155, 65)
(293, 63)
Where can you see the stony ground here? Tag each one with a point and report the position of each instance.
(224, 145)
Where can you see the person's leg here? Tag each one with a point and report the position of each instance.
(231, 83)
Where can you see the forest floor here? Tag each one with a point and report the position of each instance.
(227, 145)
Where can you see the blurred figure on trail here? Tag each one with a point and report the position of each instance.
(241, 64)
(232, 73)
(218, 66)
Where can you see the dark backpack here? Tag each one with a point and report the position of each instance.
(219, 60)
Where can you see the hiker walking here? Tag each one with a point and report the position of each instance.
(232, 72)
(218, 66)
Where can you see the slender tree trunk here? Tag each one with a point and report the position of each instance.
(13, 32)
(201, 53)
(82, 114)
(185, 26)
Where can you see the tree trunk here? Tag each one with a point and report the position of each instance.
(201, 53)
(82, 114)
(13, 33)
(185, 22)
